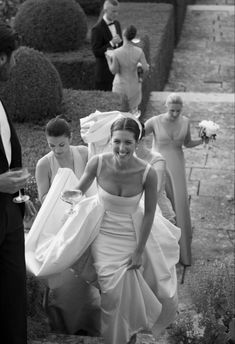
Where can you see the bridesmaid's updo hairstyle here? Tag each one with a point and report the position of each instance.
(127, 123)
(130, 32)
(174, 98)
(58, 126)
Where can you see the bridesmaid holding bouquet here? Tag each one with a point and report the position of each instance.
(171, 131)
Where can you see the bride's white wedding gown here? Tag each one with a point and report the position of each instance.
(131, 300)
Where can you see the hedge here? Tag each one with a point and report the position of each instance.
(34, 89)
(180, 7)
(51, 25)
(91, 7)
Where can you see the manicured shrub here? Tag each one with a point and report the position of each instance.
(180, 7)
(8, 9)
(76, 69)
(90, 7)
(34, 90)
(51, 25)
(211, 319)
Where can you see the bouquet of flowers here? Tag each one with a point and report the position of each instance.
(140, 72)
(208, 130)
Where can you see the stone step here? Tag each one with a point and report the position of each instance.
(189, 97)
(215, 8)
(143, 338)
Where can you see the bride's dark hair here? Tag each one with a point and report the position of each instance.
(127, 123)
(130, 32)
(58, 126)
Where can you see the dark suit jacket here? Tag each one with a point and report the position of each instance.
(100, 38)
(16, 161)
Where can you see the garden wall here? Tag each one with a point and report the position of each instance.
(180, 7)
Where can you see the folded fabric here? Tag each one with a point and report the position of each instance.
(51, 220)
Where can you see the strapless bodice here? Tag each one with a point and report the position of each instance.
(118, 204)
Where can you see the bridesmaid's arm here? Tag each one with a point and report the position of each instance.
(150, 203)
(42, 178)
(83, 150)
(113, 64)
(188, 142)
(144, 63)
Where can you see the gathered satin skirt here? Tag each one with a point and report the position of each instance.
(128, 305)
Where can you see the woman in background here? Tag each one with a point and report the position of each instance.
(74, 306)
(171, 131)
(123, 63)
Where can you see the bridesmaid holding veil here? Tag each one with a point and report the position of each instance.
(73, 307)
(171, 131)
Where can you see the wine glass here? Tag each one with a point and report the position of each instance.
(72, 197)
(21, 172)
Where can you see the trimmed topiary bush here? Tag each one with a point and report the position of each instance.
(91, 7)
(180, 7)
(34, 90)
(51, 25)
(8, 9)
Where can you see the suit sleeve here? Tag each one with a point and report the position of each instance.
(97, 42)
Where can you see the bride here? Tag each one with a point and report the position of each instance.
(134, 254)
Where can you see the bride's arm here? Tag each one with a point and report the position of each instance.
(148, 126)
(150, 203)
(88, 175)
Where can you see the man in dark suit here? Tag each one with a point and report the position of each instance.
(12, 261)
(106, 34)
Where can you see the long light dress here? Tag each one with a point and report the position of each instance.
(126, 80)
(131, 300)
(172, 151)
(163, 201)
(78, 302)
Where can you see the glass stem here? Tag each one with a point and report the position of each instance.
(20, 194)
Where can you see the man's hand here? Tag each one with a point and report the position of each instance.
(116, 40)
(11, 182)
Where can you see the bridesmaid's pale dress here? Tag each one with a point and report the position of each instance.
(171, 149)
(78, 302)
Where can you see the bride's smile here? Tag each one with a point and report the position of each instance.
(124, 145)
